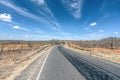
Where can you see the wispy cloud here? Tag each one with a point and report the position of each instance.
(26, 36)
(48, 18)
(25, 13)
(16, 27)
(101, 30)
(39, 31)
(50, 37)
(20, 28)
(74, 7)
(116, 32)
(39, 2)
(20, 10)
(46, 12)
(93, 24)
(6, 17)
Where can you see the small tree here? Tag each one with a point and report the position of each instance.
(2, 48)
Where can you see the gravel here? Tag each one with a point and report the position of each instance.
(30, 73)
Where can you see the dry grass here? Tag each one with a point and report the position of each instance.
(11, 64)
(106, 54)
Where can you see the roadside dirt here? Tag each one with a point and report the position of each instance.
(31, 72)
(11, 65)
(112, 56)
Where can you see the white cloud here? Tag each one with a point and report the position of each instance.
(48, 18)
(39, 31)
(6, 17)
(116, 32)
(23, 12)
(39, 2)
(74, 7)
(16, 27)
(93, 24)
(20, 28)
(101, 30)
(26, 36)
(46, 12)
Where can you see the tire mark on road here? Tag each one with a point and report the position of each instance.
(90, 71)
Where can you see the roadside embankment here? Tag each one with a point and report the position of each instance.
(106, 54)
(13, 64)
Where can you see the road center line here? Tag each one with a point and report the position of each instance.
(39, 74)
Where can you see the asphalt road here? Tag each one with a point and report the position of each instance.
(64, 64)
(57, 67)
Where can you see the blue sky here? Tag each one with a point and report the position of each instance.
(59, 19)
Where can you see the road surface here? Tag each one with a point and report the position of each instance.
(64, 64)
(57, 67)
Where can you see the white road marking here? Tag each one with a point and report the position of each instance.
(39, 74)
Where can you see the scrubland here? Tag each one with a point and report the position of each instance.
(105, 49)
(14, 54)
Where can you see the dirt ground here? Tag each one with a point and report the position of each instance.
(12, 64)
(106, 54)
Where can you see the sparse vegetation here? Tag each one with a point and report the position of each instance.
(14, 53)
(7, 47)
(108, 43)
(108, 49)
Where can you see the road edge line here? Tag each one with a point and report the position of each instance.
(39, 74)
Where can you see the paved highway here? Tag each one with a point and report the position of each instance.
(65, 64)
(57, 67)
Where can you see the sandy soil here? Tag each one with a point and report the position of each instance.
(109, 55)
(12, 64)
